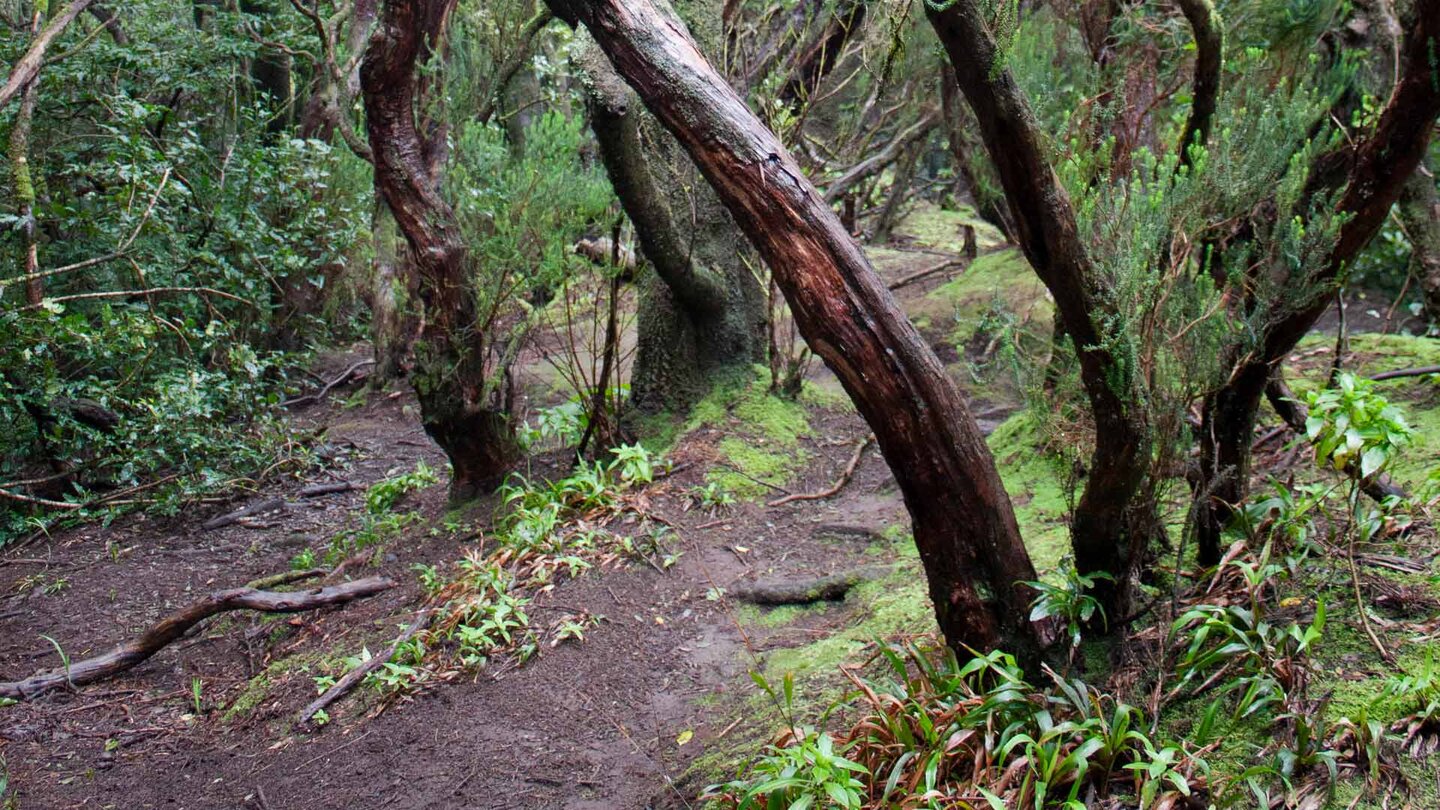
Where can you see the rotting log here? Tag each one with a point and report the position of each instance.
(162, 633)
(964, 524)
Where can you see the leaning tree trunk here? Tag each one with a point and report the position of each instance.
(463, 409)
(1378, 168)
(702, 313)
(963, 522)
(1116, 515)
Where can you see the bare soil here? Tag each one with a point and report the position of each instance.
(613, 721)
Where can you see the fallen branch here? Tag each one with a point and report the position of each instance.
(46, 502)
(286, 577)
(267, 505)
(172, 627)
(316, 490)
(29, 65)
(805, 591)
(48, 302)
(926, 273)
(316, 397)
(356, 675)
(839, 484)
(1406, 372)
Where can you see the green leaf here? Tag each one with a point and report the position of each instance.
(1372, 461)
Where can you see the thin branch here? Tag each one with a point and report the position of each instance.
(29, 65)
(134, 293)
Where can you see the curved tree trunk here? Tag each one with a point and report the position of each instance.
(1378, 168)
(464, 410)
(1115, 518)
(964, 526)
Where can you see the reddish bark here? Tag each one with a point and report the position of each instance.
(1378, 168)
(964, 526)
(462, 412)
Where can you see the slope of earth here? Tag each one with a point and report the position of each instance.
(617, 718)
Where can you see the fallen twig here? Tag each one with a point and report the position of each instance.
(948, 264)
(260, 507)
(838, 485)
(1406, 372)
(316, 490)
(330, 386)
(356, 675)
(285, 578)
(172, 627)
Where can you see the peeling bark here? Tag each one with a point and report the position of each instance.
(964, 526)
(462, 411)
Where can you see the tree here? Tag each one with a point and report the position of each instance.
(964, 526)
(461, 378)
(1115, 517)
(702, 312)
(1369, 175)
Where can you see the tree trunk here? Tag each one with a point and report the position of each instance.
(990, 206)
(1378, 168)
(1209, 34)
(899, 191)
(464, 409)
(392, 305)
(1420, 212)
(23, 182)
(964, 526)
(1116, 515)
(814, 61)
(701, 313)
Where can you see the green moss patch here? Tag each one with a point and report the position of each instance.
(931, 226)
(1035, 479)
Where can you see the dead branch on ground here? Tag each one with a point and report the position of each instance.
(134, 652)
(839, 483)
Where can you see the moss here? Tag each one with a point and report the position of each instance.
(780, 616)
(931, 226)
(748, 465)
(1035, 479)
(895, 605)
(762, 434)
(258, 688)
(1001, 279)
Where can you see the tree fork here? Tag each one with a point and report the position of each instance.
(1115, 517)
(1378, 168)
(964, 525)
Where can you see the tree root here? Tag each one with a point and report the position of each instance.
(172, 627)
(839, 484)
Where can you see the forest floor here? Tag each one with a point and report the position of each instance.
(652, 703)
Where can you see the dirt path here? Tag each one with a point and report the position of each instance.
(592, 724)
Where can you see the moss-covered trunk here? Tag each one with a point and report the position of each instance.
(702, 313)
(1420, 211)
